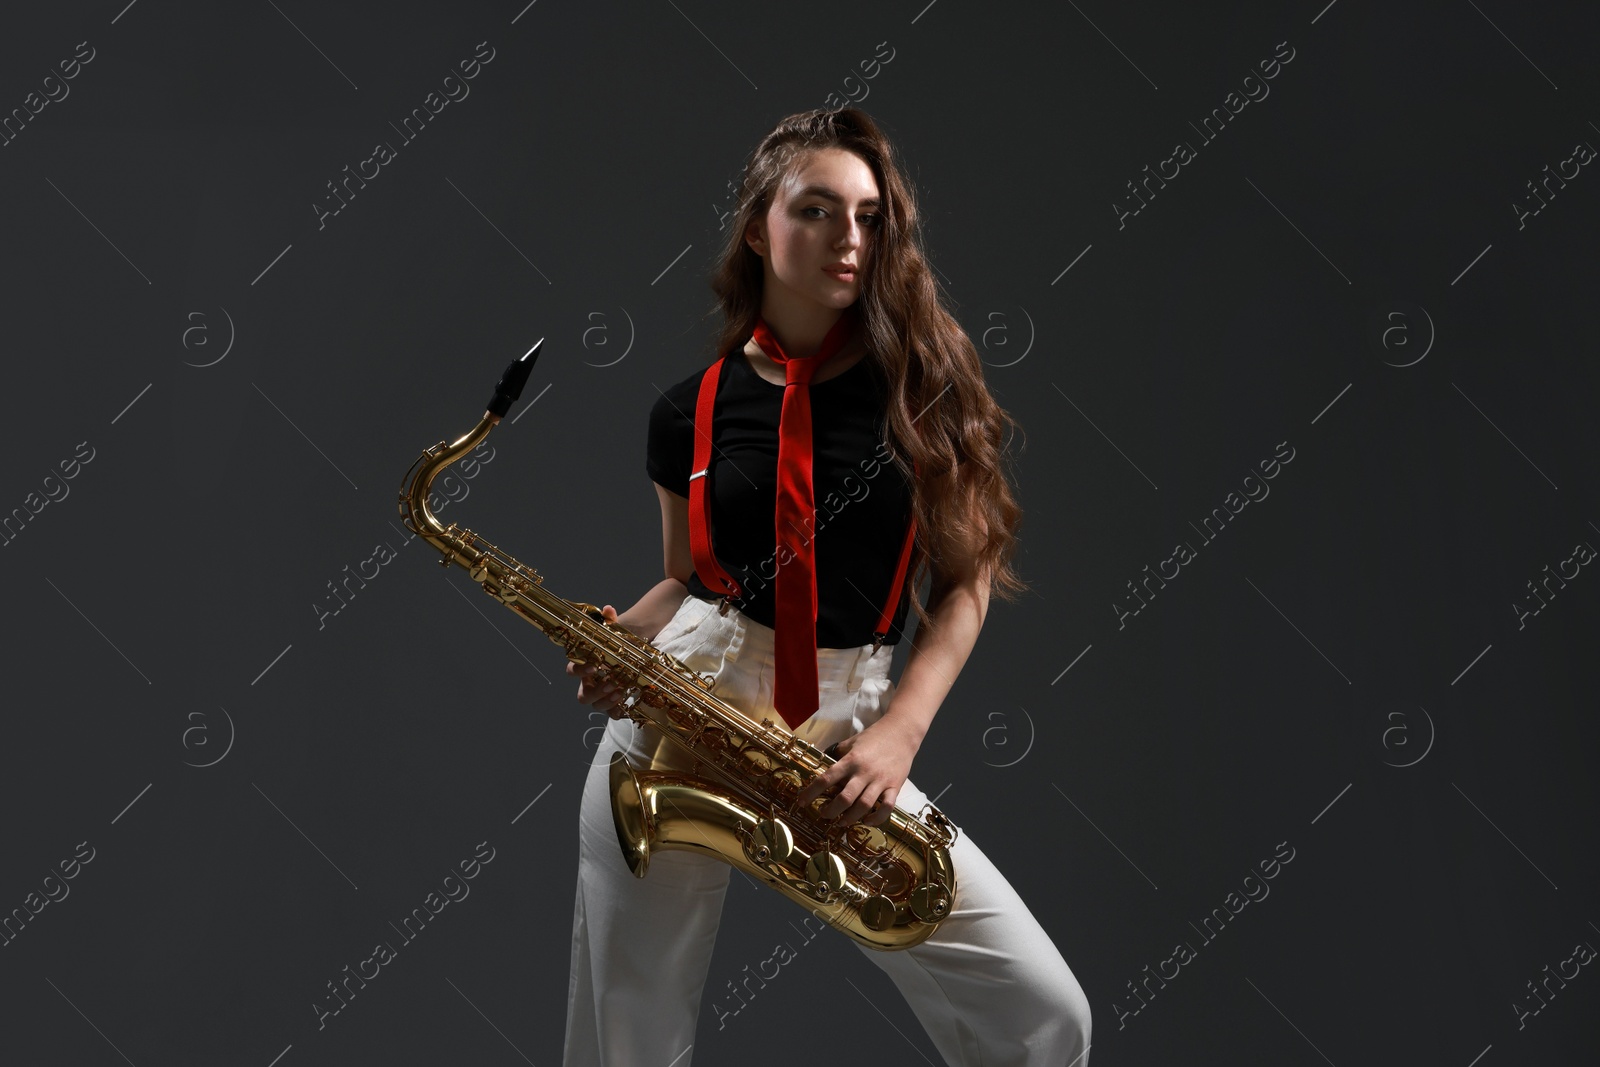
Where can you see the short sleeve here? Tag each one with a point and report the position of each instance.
(670, 446)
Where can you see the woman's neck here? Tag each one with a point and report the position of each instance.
(853, 352)
(801, 330)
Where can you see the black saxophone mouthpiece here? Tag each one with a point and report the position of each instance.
(509, 388)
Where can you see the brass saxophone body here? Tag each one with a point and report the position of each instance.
(731, 792)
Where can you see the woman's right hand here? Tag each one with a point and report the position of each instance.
(603, 696)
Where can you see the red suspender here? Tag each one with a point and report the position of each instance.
(705, 561)
(881, 630)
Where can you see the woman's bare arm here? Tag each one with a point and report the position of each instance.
(655, 609)
(873, 764)
(938, 652)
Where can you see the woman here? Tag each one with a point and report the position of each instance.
(835, 344)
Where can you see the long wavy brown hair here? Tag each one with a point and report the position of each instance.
(941, 417)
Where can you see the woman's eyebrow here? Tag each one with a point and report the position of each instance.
(828, 194)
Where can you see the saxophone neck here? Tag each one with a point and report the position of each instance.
(414, 493)
(428, 466)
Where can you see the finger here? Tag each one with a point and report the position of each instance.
(819, 785)
(842, 799)
(884, 806)
(861, 807)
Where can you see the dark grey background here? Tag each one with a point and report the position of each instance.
(1342, 669)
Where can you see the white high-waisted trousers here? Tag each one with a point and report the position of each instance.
(989, 986)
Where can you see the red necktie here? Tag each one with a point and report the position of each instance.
(795, 593)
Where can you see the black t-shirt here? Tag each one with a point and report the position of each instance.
(863, 501)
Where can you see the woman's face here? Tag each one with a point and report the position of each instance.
(824, 214)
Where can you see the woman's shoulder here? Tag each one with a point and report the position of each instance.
(687, 386)
(675, 405)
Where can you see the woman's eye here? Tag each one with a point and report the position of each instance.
(872, 220)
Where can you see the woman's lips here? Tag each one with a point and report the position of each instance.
(842, 275)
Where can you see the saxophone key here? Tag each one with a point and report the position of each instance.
(878, 912)
(826, 869)
(785, 786)
(756, 762)
(867, 840)
(930, 902)
(770, 842)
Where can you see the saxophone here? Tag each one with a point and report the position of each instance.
(731, 790)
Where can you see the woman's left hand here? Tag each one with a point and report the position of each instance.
(865, 780)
